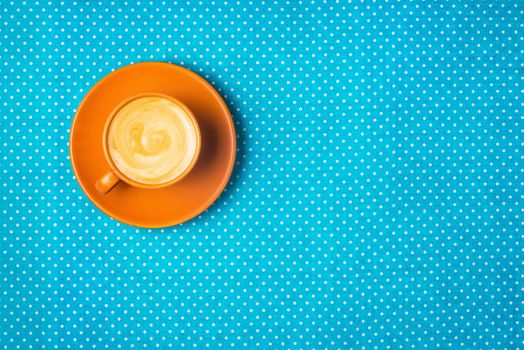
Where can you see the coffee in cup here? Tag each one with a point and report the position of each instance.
(150, 141)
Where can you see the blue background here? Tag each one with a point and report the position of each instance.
(376, 200)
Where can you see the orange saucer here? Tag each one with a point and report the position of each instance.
(181, 201)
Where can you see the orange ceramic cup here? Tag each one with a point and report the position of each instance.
(113, 176)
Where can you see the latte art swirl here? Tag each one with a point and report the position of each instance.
(149, 145)
(152, 140)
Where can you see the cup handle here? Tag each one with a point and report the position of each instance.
(106, 182)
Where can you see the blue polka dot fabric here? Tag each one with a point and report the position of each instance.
(376, 201)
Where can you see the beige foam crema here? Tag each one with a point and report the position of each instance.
(152, 140)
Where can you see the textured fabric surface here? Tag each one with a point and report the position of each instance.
(376, 200)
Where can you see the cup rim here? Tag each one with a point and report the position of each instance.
(114, 169)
